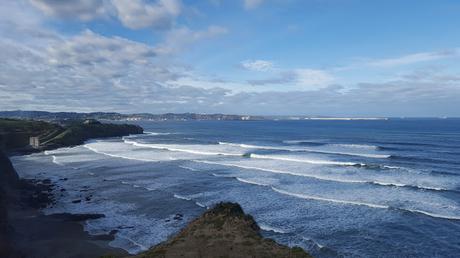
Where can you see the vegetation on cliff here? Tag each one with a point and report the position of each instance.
(80, 132)
(223, 231)
(15, 134)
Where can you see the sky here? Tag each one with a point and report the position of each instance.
(258, 57)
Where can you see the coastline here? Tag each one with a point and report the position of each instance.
(225, 230)
(30, 233)
(25, 231)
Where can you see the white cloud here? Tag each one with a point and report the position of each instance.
(177, 39)
(133, 14)
(89, 48)
(297, 79)
(81, 9)
(311, 78)
(414, 58)
(251, 4)
(41, 69)
(137, 14)
(257, 65)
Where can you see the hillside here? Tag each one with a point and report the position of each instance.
(15, 133)
(223, 231)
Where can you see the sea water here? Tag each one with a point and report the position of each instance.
(385, 188)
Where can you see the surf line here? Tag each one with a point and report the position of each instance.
(309, 197)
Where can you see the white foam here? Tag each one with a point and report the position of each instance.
(54, 159)
(300, 141)
(189, 168)
(310, 161)
(358, 146)
(433, 214)
(250, 182)
(310, 197)
(277, 171)
(217, 175)
(319, 150)
(201, 205)
(182, 197)
(320, 177)
(155, 133)
(270, 228)
(183, 148)
(132, 248)
(372, 205)
(313, 241)
(115, 155)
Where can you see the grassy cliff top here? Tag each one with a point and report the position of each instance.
(223, 231)
(15, 133)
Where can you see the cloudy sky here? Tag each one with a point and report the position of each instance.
(279, 57)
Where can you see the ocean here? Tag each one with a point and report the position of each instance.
(384, 188)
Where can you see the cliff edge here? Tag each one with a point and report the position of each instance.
(223, 231)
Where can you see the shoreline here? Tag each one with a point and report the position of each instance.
(63, 235)
(26, 231)
(31, 233)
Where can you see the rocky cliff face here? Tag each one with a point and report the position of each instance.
(9, 182)
(224, 231)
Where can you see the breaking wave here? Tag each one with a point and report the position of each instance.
(371, 205)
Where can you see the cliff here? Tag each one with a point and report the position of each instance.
(15, 134)
(78, 133)
(223, 231)
(9, 180)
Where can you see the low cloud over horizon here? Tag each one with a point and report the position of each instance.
(248, 57)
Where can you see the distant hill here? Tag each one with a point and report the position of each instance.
(60, 116)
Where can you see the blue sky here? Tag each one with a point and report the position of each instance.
(291, 57)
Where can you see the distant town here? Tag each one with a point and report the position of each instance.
(62, 116)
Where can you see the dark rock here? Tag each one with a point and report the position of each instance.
(178, 216)
(76, 217)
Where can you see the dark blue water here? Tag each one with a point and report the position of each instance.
(387, 188)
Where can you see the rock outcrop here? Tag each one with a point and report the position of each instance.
(223, 231)
(9, 182)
